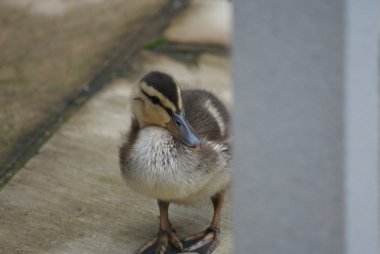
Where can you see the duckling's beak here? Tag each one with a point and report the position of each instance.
(181, 129)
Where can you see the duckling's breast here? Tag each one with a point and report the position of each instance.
(159, 166)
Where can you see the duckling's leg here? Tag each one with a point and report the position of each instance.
(166, 242)
(206, 241)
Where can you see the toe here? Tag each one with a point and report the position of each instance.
(204, 242)
(148, 247)
(161, 248)
(176, 242)
(162, 244)
(165, 243)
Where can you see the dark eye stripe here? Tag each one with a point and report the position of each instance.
(155, 100)
(170, 113)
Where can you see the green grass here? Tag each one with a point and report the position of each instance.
(155, 43)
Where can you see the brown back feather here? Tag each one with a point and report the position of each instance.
(128, 143)
(200, 119)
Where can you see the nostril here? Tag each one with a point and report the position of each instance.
(178, 123)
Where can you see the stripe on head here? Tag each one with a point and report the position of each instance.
(162, 85)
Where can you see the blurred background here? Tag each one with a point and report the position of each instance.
(50, 50)
(66, 68)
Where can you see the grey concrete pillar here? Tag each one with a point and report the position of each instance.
(305, 126)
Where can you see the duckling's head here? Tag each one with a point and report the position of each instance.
(157, 101)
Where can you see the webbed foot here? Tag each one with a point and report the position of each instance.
(204, 242)
(165, 243)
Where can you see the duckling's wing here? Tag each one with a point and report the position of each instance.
(127, 145)
(206, 114)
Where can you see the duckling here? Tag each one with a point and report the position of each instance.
(177, 151)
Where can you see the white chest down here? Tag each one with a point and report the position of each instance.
(160, 167)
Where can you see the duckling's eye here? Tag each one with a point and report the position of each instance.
(155, 100)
